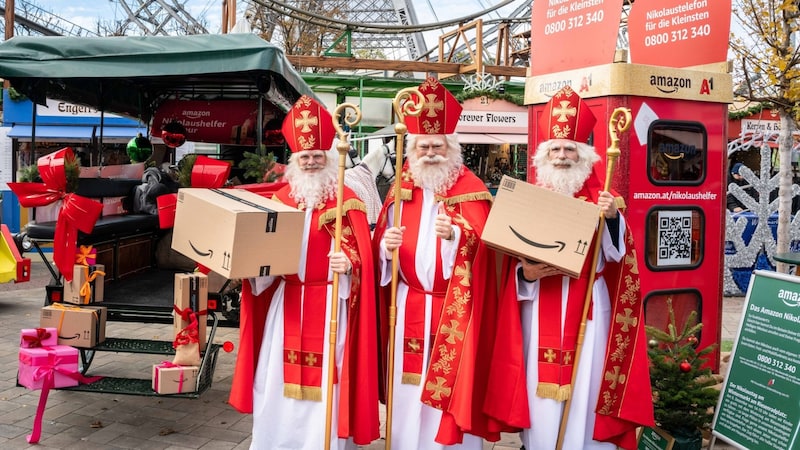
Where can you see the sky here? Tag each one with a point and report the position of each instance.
(87, 12)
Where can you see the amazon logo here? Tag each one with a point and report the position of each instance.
(69, 338)
(209, 253)
(556, 244)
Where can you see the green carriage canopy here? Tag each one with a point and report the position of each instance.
(133, 75)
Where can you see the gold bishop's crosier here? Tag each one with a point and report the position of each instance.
(342, 147)
(618, 123)
(407, 102)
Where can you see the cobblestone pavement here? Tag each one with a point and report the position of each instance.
(87, 421)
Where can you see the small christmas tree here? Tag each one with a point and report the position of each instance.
(683, 396)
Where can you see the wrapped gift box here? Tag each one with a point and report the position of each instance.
(79, 326)
(171, 379)
(72, 290)
(191, 291)
(38, 337)
(36, 363)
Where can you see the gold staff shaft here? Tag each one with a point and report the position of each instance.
(407, 102)
(619, 122)
(342, 147)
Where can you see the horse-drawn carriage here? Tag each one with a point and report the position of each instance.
(135, 77)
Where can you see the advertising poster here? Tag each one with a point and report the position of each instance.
(679, 33)
(568, 35)
(759, 407)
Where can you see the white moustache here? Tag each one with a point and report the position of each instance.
(312, 167)
(435, 159)
(563, 163)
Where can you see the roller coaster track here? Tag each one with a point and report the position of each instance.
(36, 20)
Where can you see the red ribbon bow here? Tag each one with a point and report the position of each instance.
(188, 335)
(77, 213)
(36, 341)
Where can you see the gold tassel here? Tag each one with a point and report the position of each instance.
(554, 391)
(411, 378)
(330, 215)
(450, 201)
(292, 391)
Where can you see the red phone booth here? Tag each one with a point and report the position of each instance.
(671, 174)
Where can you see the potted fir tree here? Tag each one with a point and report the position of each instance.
(684, 396)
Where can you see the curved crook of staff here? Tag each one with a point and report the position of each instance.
(618, 123)
(407, 102)
(342, 147)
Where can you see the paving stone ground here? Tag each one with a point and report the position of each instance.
(88, 421)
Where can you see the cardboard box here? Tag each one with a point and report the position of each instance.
(174, 380)
(536, 223)
(78, 326)
(38, 337)
(72, 290)
(237, 233)
(191, 291)
(32, 359)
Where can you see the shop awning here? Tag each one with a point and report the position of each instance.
(119, 135)
(510, 138)
(62, 133)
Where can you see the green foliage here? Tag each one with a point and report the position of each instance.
(14, 95)
(683, 400)
(29, 174)
(185, 166)
(736, 115)
(258, 165)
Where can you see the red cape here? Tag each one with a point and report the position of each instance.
(627, 406)
(463, 413)
(358, 402)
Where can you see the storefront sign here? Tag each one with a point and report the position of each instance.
(220, 121)
(679, 33)
(60, 108)
(485, 115)
(759, 407)
(760, 126)
(559, 31)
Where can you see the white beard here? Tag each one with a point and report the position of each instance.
(438, 177)
(564, 181)
(311, 188)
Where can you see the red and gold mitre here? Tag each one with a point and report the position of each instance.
(567, 116)
(308, 126)
(440, 112)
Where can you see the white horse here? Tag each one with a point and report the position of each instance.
(361, 178)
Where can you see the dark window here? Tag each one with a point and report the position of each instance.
(676, 152)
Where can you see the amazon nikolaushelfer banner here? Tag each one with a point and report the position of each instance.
(218, 121)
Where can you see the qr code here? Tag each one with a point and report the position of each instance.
(675, 238)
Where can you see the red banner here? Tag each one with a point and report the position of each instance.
(679, 33)
(568, 35)
(219, 121)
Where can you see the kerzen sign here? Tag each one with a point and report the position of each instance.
(760, 126)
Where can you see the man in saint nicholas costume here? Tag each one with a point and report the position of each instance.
(541, 311)
(446, 298)
(281, 371)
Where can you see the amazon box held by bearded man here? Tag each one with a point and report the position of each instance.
(536, 223)
(236, 233)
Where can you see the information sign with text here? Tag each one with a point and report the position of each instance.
(759, 407)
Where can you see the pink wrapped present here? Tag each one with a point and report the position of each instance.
(38, 337)
(46, 368)
(169, 378)
(36, 363)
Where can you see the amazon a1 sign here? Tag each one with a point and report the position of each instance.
(679, 33)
